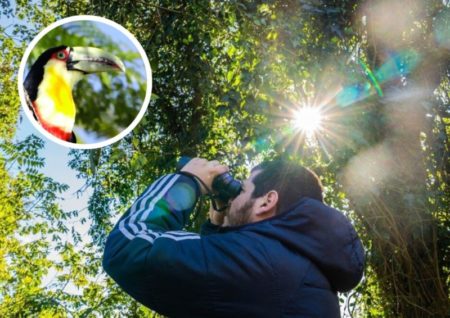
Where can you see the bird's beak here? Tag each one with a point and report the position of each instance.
(93, 60)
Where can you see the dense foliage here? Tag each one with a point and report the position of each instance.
(227, 79)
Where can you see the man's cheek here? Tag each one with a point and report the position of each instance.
(232, 207)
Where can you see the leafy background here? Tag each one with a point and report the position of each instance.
(227, 76)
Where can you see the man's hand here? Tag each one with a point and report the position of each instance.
(205, 170)
(216, 217)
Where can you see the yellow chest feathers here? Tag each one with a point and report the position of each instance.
(54, 99)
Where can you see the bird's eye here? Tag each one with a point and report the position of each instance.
(60, 55)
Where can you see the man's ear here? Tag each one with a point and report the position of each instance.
(267, 205)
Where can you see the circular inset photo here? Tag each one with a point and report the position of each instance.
(85, 82)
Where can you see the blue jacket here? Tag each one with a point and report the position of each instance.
(290, 265)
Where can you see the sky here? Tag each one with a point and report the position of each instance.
(56, 156)
(56, 167)
(56, 160)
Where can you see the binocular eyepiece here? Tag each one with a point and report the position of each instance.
(224, 184)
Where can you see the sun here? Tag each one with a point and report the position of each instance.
(308, 120)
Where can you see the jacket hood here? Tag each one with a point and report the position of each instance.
(323, 235)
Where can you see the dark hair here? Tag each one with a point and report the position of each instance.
(289, 179)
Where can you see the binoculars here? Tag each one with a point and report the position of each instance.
(224, 184)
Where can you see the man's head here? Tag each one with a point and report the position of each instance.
(272, 188)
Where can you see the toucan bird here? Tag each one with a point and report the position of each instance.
(49, 84)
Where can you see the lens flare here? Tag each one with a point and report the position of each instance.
(371, 77)
(308, 120)
(397, 66)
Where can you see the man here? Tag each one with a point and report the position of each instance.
(278, 251)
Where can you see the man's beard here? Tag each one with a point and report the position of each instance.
(242, 215)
